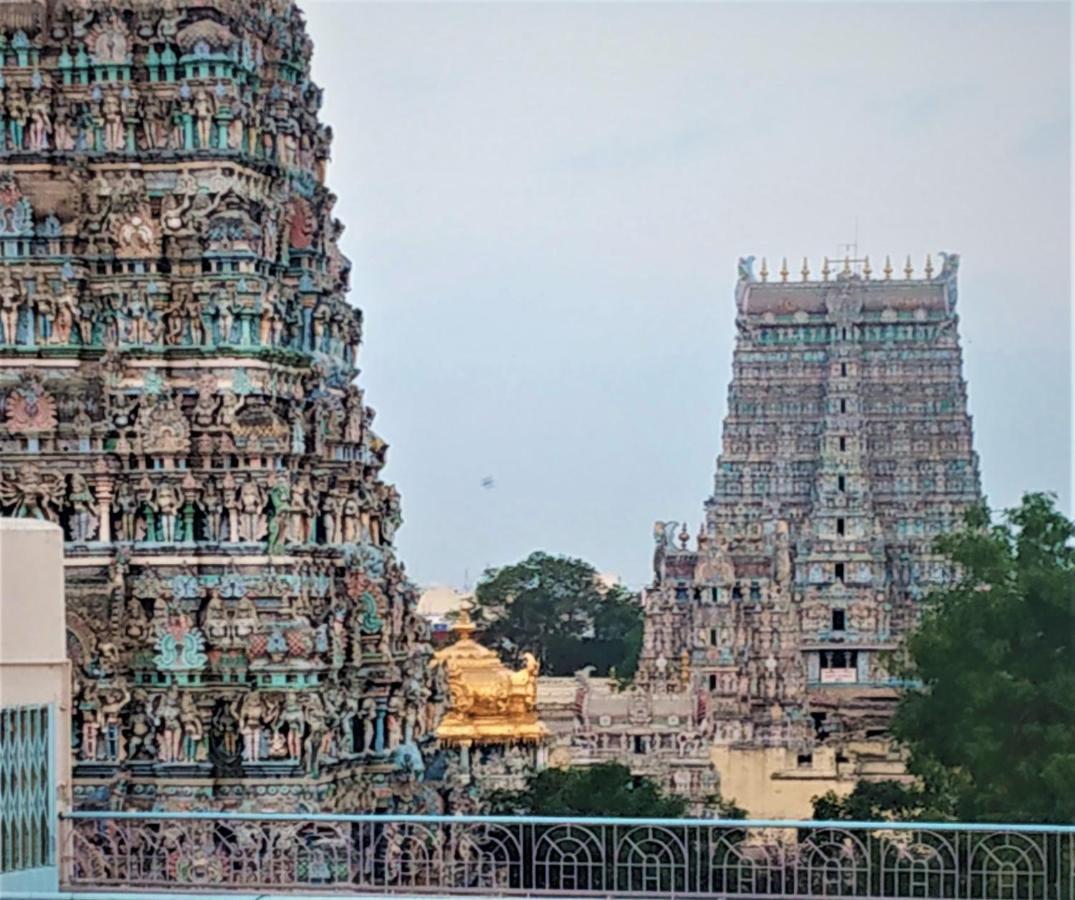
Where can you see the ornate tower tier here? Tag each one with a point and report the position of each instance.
(847, 450)
(177, 386)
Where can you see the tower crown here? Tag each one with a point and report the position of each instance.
(853, 280)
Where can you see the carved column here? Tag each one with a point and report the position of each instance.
(104, 509)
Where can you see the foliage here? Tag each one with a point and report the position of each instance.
(556, 608)
(872, 801)
(991, 732)
(606, 789)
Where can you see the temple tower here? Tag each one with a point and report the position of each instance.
(846, 451)
(177, 392)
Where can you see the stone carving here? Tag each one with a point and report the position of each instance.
(29, 408)
(177, 337)
(779, 601)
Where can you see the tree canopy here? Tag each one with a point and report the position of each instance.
(606, 789)
(558, 609)
(991, 732)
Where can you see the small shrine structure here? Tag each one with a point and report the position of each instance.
(492, 717)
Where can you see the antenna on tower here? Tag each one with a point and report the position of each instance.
(850, 251)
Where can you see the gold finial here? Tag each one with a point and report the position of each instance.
(907, 270)
(866, 270)
(847, 265)
(764, 270)
(888, 268)
(464, 625)
(825, 270)
(784, 269)
(806, 270)
(929, 267)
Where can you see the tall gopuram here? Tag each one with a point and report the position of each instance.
(846, 452)
(177, 385)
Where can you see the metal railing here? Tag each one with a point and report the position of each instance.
(532, 856)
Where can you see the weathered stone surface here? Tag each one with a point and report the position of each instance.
(177, 362)
(846, 451)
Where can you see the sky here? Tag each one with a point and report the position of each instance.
(544, 205)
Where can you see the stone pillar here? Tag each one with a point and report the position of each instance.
(378, 734)
(104, 509)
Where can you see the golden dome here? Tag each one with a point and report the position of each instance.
(490, 704)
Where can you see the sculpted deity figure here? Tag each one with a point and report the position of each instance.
(330, 510)
(320, 737)
(299, 509)
(88, 704)
(254, 714)
(10, 303)
(193, 730)
(45, 307)
(168, 712)
(220, 307)
(292, 716)
(40, 120)
(141, 726)
(229, 404)
(16, 117)
(268, 314)
(113, 700)
(215, 622)
(67, 311)
(212, 506)
(136, 625)
(33, 494)
(350, 519)
(252, 524)
(245, 621)
(280, 500)
(63, 122)
(205, 407)
(126, 504)
(83, 510)
(204, 108)
(231, 504)
(368, 715)
(114, 126)
(168, 504)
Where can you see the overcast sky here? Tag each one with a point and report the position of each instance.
(545, 204)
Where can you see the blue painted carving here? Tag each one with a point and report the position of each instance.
(371, 622)
(185, 587)
(276, 642)
(180, 649)
(232, 587)
(152, 382)
(17, 218)
(50, 228)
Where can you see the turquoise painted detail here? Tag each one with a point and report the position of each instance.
(371, 622)
(27, 799)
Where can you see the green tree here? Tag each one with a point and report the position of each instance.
(991, 732)
(556, 608)
(872, 801)
(606, 789)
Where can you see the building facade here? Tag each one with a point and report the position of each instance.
(847, 449)
(177, 364)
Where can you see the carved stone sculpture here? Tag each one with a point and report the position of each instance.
(178, 344)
